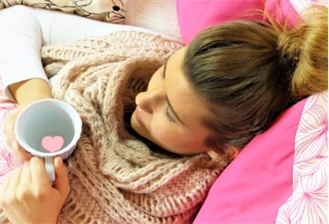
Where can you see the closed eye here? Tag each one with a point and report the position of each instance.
(167, 107)
(168, 115)
(163, 74)
(164, 69)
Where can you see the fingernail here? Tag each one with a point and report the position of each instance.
(60, 161)
(14, 145)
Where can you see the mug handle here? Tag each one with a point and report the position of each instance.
(50, 169)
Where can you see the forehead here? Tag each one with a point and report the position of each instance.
(190, 107)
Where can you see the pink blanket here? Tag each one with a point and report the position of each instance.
(8, 161)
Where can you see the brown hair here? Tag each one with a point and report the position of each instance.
(250, 71)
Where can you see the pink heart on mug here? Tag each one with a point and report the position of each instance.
(52, 144)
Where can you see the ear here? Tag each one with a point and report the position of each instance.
(234, 153)
(216, 156)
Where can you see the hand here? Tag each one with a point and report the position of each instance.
(25, 93)
(28, 197)
(8, 128)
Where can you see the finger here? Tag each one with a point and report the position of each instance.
(26, 178)
(5, 185)
(62, 177)
(19, 151)
(15, 179)
(23, 154)
(38, 171)
(8, 127)
(5, 192)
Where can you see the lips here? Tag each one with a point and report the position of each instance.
(138, 117)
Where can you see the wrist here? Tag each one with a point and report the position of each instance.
(31, 98)
(29, 91)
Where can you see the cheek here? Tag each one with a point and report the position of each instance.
(162, 130)
(169, 135)
(172, 135)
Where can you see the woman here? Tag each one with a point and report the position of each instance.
(235, 79)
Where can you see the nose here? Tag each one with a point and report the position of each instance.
(149, 100)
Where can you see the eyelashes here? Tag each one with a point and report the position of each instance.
(168, 115)
(163, 73)
(170, 119)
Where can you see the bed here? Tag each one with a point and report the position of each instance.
(281, 176)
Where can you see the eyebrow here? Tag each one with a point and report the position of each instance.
(170, 106)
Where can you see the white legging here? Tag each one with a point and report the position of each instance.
(24, 30)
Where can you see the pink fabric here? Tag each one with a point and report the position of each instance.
(8, 160)
(255, 185)
(196, 15)
(283, 11)
(309, 201)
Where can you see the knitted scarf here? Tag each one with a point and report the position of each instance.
(114, 176)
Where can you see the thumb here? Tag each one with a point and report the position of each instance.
(62, 178)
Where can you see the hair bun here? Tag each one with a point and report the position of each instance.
(303, 52)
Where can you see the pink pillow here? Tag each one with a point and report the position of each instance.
(196, 15)
(259, 181)
(286, 10)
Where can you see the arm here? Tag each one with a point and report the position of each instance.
(21, 40)
(28, 91)
(24, 35)
(22, 70)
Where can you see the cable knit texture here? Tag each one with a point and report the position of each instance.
(114, 177)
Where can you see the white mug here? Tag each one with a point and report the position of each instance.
(48, 128)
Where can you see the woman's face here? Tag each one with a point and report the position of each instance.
(169, 113)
